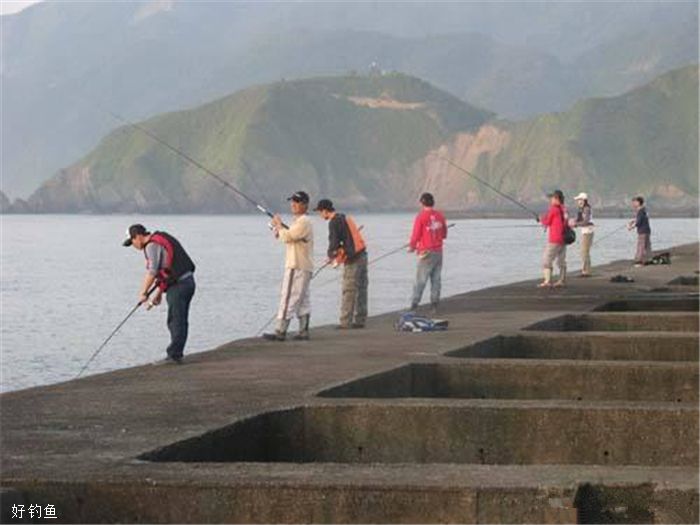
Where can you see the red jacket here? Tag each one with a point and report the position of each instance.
(555, 220)
(429, 230)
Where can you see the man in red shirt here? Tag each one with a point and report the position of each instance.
(429, 231)
(555, 222)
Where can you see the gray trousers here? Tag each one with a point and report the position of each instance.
(586, 243)
(429, 267)
(643, 248)
(554, 252)
(353, 305)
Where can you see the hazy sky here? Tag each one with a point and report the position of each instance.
(12, 6)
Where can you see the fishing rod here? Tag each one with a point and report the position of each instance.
(509, 226)
(482, 181)
(313, 276)
(608, 234)
(325, 265)
(329, 262)
(596, 242)
(192, 161)
(383, 256)
(373, 261)
(114, 332)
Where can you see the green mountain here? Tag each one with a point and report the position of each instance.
(351, 137)
(375, 143)
(645, 141)
(62, 60)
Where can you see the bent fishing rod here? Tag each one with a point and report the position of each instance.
(193, 162)
(114, 332)
(491, 187)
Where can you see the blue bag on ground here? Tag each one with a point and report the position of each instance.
(410, 322)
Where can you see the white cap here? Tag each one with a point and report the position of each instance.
(581, 197)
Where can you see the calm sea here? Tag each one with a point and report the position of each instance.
(66, 281)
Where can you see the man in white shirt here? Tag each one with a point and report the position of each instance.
(299, 265)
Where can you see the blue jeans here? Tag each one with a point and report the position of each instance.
(429, 267)
(179, 297)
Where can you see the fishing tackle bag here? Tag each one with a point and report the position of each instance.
(569, 233)
(410, 322)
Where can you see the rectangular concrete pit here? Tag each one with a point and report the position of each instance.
(685, 280)
(594, 381)
(464, 432)
(621, 322)
(590, 346)
(686, 304)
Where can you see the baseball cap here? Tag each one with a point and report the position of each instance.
(299, 196)
(132, 231)
(324, 204)
(581, 197)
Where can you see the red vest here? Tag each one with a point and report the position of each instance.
(177, 261)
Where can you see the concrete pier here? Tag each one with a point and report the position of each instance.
(536, 406)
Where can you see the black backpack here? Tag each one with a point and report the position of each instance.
(569, 233)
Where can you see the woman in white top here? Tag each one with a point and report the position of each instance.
(584, 221)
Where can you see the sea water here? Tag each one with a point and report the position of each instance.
(66, 281)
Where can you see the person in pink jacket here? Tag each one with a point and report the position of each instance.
(555, 221)
(429, 232)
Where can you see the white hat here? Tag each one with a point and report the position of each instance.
(581, 197)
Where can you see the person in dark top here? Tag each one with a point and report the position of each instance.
(641, 222)
(170, 268)
(346, 246)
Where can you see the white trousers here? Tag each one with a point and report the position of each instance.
(295, 298)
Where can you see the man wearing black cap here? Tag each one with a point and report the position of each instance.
(347, 247)
(299, 241)
(170, 268)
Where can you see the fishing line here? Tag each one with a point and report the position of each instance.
(482, 181)
(114, 332)
(576, 256)
(192, 161)
(608, 235)
(504, 226)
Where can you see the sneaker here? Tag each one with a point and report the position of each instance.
(168, 361)
(301, 336)
(275, 336)
(343, 327)
(357, 326)
(544, 285)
